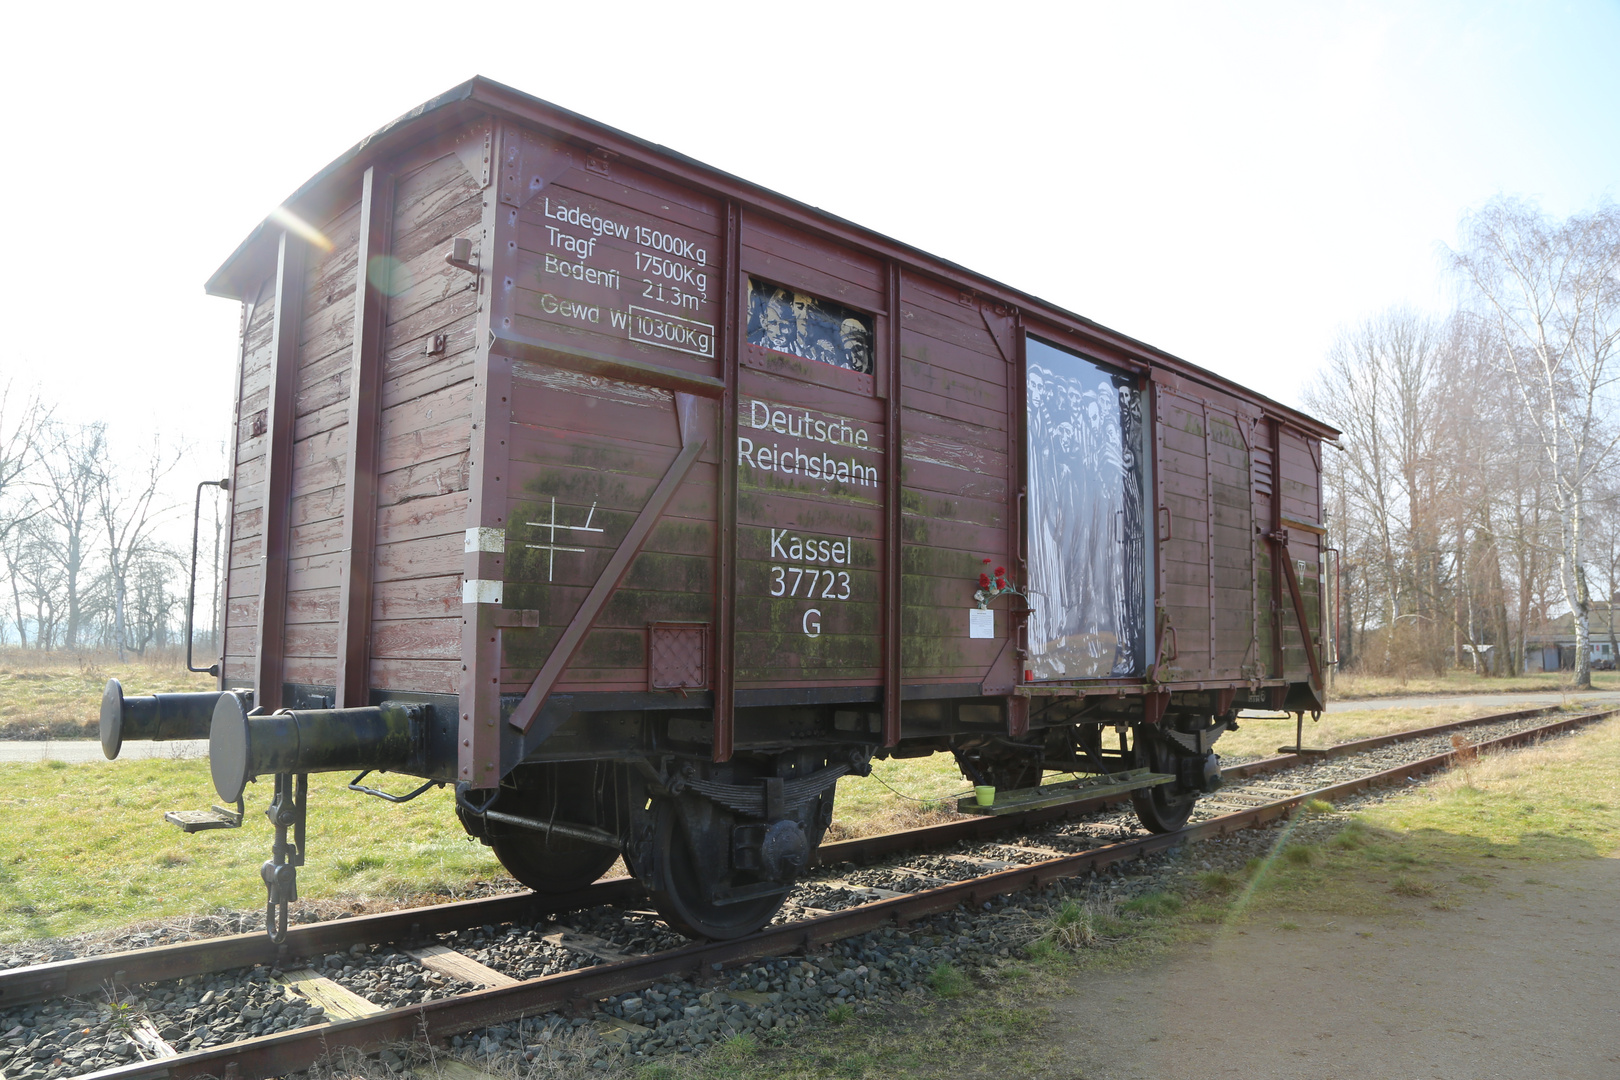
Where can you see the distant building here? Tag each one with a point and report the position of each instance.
(1553, 649)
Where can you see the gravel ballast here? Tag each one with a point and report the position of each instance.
(766, 999)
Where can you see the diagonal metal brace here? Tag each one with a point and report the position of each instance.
(1280, 539)
(597, 599)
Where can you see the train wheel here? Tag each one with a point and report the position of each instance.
(1167, 807)
(683, 893)
(570, 794)
(551, 864)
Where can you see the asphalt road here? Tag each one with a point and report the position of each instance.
(81, 750)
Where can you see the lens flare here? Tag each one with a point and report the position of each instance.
(300, 228)
(388, 275)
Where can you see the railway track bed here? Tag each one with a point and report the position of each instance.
(470, 973)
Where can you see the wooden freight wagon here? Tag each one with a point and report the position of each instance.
(642, 504)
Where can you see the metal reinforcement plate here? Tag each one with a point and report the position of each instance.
(1011, 802)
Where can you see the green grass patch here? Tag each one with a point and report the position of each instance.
(1402, 885)
(1153, 905)
(1558, 801)
(1553, 802)
(990, 1035)
(1262, 737)
(1301, 854)
(948, 981)
(85, 847)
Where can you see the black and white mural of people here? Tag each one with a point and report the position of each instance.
(1087, 554)
(801, 325)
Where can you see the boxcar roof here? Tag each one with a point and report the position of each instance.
(254, 258)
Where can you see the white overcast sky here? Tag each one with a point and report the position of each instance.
(1230, 182)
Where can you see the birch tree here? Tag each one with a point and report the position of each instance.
(1550, 293)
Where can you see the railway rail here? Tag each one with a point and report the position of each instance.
(294, 1049)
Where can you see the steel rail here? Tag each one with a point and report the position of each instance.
(90, 974)
(273, 1055)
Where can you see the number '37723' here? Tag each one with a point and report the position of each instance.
(788, 580)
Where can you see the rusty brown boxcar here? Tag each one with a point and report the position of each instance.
(641, 504)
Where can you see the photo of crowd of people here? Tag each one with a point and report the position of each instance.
(800, 325)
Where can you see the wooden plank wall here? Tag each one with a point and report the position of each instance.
(425, 431)
(423, 440)
(627, 198)
(320, 456)
(599, 447)
(956, 404)
(245, 570)
(588, 450)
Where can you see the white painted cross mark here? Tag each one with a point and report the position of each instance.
(552, 526)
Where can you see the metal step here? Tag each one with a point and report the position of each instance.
(1120, 783)
(202, 820)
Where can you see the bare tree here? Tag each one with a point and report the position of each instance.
(1550, 292)
(71, 467)
(128, 509)
(37, 581)
(1381, 388)
(20, 425)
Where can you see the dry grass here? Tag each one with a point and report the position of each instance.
(57, 695)
(900, 794)
(1348, 686)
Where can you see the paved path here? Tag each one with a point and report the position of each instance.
(1521, 983)
(80, 750)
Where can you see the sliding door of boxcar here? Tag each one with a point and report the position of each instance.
(1086, 518)
(1207, 559)
(811, 478)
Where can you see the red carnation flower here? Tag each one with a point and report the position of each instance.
(986, 562)
(1001, 583)
(984, 581)
(1001, 571)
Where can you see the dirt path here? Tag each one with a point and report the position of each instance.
(1521, 983)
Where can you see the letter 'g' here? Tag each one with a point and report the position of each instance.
(812, 626)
